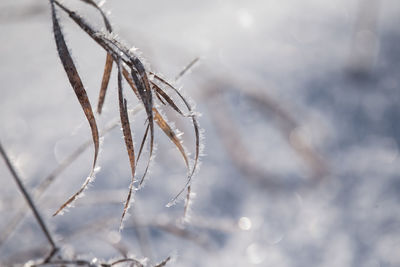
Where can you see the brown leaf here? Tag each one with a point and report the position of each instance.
(143, 87)
(143, 141)
(171, 135)
(80, 92)
(166, 98)
(128, 139)
(108, 44)
(104, 82)
(196, 132)
(138, 80)
(135, 83)
(159, 97)
(109, 59)
(130, 81)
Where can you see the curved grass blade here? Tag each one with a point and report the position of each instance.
(130, 81)
(159, 98)
(135, 90)
(140, 80)
(109, 59)
(137, 69)
(143, 141)
(106, 21)
(110, 44)
(128, 140)
(165, 96)
(80, 92)
(171, 135)
(196, 128)
(104, 82)
(145, 96)
(82, 24)
(143, 87)
(197, 136)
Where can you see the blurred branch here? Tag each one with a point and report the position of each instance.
(164, 262)
(47, 181)
(30, 202)
(232, 140)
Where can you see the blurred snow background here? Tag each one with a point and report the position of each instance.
(300, 104)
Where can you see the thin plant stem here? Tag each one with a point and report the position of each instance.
(28, 199)
(46, 182)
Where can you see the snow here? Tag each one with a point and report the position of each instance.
(310, 177)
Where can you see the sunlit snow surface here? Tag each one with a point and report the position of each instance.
(300, 106)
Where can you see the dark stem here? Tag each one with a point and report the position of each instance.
(28, 199)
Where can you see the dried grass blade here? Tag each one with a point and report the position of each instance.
(196, 161)
(164, 95)
(171, 135)
(104, 82)
(110, 44)
(106, 43)
(159, 98)
(130, 82)
(143, 141)
(135, 83)
(109, 59)
(128, 140)
(143, 86)
(106, 21)
(74, 196)
(80, 92)
(197, 136)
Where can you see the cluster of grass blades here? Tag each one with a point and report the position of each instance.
(144, 84)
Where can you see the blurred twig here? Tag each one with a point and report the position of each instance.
(164, 262)
(30, 202)
(186, 69)
(46, 182)
(232, 140)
